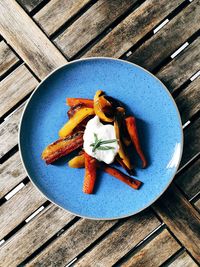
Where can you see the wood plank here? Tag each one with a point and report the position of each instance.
(184, 260)
(29, 5)
(28, 40)
(191, 142)
(71, 243)
(181, 218)
(155, 253)
(189, 180)
(197, 204)
(188, 101)
(55, 13)
(12, 173)
(15, 87)
(133, 28)
(120, 241)
(98, 18)
(170, 38)
(33, 235)
(181, 68)
(7, 58)
(19, 207)
(9, 131)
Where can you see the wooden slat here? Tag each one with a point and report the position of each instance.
(9, 131)
(169, 38)
(181, 218)
(53, 15)
(28, 40)
(29, 5)
(191, 142)
(12, 173)
(119, 242)
(133, 28)
(91, 24)
(180, 69)
(184, 260)
(155, 253)
(189, 180)
(188, 101)
(65, 248)
(197, 204)
(7, 58)
(33, 235)
(15, 87)
(19, 207)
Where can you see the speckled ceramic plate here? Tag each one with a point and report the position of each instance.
(159, 127)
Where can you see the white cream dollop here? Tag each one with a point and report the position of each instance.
(103, 132)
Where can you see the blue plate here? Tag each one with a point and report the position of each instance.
(159, 127)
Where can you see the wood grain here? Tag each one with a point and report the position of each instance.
(33, 235)
(169, 38)
(119, 242)
(19, 207)
(29, 5)
(197, 204)
(15, 87)
(28, 40)
(184, 260)
(189, 180)
(55, 13)
(94, 21)
(9, 131)
(71, 243)
(181, 68)
(188, 101)
(7, 58)
(155, 253)
(12, 173)
(181, 218)
(133, 28)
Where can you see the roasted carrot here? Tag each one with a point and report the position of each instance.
(75, 101)
(77, 162)
(62, 147)
(132, 130)
(74, 109)
(90, 174)
(120, 161)
(132, 182)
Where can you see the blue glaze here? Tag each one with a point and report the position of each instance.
(158, 122)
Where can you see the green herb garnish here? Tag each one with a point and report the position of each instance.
(98, 143)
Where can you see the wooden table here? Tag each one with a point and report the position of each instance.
(41, 35)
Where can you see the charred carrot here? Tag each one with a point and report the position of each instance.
(90, 174)
(132, 182)
(75, 101)
(132, 130)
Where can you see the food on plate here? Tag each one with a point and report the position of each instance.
(103, 133)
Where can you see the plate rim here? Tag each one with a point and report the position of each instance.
(91, 59)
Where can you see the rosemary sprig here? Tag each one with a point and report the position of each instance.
(98, 143)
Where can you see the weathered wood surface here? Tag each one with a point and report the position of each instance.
(29, 5)
(88, 26)
(181, 218)
(33, 235)
(133, 28)
(119, 242)
(155, 253)
(12, 173)
(165, 42)
(189, 180)
(57, 12)
(197, 204)
(15, 87)
(28, 40)
(7, 58)
(71, 243)
(184, 260)
(19, 207)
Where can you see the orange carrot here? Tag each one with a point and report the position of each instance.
(75, 101)
(132, 182)
(132, 130)
(90, 174)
